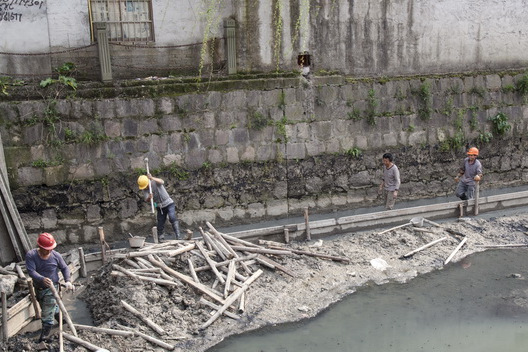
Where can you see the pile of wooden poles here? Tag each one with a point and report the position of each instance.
(233, 262)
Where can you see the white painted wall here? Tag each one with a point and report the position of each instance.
(26, 31)
(361, 37)
(69, 23)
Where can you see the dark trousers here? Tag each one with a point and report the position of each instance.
(170, 212)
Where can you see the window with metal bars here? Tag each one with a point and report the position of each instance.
(126, 20)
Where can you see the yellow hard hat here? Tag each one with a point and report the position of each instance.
(143, 182)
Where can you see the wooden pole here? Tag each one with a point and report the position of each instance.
(185, 279)
(286, 235)
(456, 250)
(326, 256)
(63, 309)
(5, 335)
(83, 343)
(477, 195)
(242, 304)
(103, 242)
(191, 269)
(210, 262)
(33, 297)
(146, 320)
(104, 330)
(307, 223)
(61, 332)
(424, 247)
(217, 307)
(394, 228)
(155, 234)
(230, 277)
(234, 296)
(82, 263)
(150, 188)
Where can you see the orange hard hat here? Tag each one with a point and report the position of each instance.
(46, 241)
(473, 151)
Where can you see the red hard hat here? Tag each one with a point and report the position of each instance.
(472, 151)
(46, 241)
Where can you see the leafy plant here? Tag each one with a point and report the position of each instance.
(354, 152)
(281, 129)
(258, 121)
(425, 100)
(4, 83)
(449, 107)
(178, 172)
(355, 114)
(455, 90)
(411, 128)
(484, 137)
(522, 85)
(372, 104)
(480, 91)
(282, 100)
(500, 124)
(509, 88)
(453, 143)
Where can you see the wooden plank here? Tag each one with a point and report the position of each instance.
(424, 247)
(20, 315)
(317, 224)
(21, 238)
(455, 251)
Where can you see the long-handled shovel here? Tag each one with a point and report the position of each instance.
(150, 187)
(61, 338)
(477, 195)
(63, 309)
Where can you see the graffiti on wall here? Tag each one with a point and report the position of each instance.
(12, 10)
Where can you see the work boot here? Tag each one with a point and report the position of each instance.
(176, 229)
(57, 319)
(463, 197)
(45, 332)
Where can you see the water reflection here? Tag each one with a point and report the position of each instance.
(477, 305)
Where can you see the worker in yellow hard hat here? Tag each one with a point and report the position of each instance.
(469, 174)
(164, 204)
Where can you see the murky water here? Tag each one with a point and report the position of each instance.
(472, 306)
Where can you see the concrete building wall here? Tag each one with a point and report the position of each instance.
(356, 38)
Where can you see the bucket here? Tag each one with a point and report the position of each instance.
(418, 221)
(136, 241)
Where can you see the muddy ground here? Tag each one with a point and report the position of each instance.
(276, 297)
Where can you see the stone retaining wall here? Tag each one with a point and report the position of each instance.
(245, 155)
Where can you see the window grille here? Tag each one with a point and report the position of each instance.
(126, 20)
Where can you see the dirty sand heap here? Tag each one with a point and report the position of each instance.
(276, 297)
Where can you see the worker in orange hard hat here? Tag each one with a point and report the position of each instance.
(469, 174)
(43, 265)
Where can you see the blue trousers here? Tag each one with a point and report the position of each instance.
(170, 212)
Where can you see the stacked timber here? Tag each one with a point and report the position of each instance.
(14, 242)
(234, 265)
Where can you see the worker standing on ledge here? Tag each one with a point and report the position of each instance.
(469, 173)
(164, 204)
(43, 265)
(390, 183)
